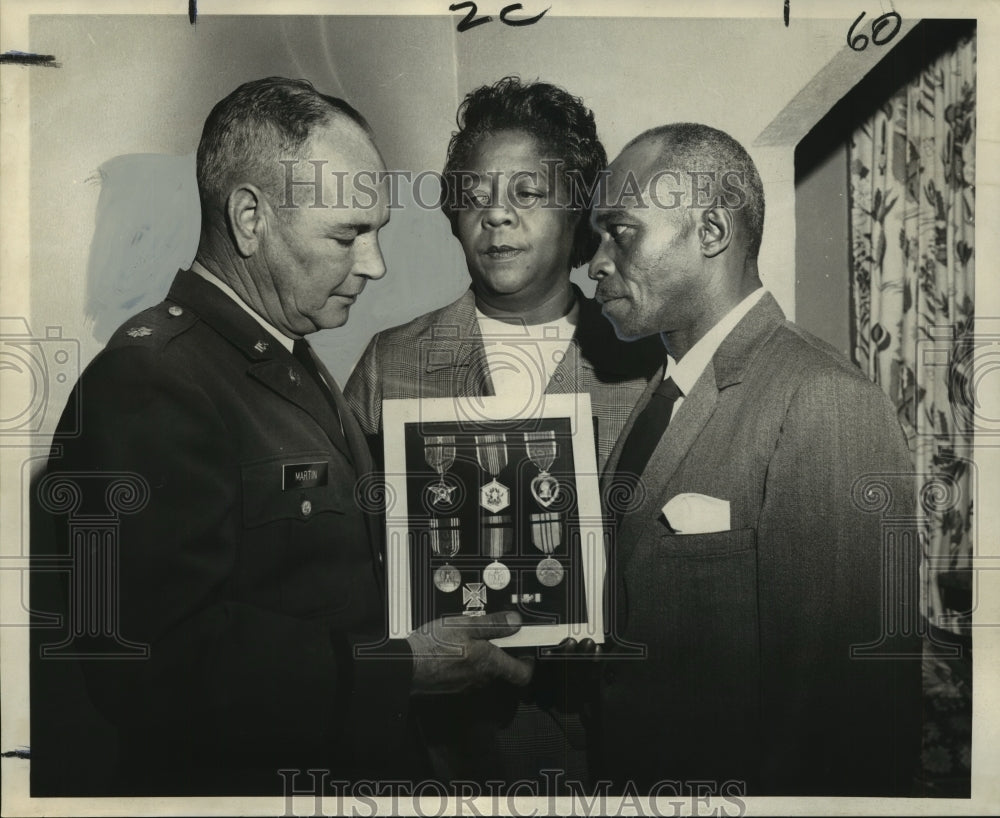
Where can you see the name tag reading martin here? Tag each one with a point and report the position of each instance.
(303, 475)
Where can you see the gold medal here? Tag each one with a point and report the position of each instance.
(496, 575)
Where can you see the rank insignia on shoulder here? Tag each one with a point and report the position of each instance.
(139, 332)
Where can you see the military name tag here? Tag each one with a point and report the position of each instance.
(303, 475)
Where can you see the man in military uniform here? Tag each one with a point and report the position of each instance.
(245, 563)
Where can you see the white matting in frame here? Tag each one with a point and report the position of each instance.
(554, 602)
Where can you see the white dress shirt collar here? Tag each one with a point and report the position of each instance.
(688, 369)
(284, 340)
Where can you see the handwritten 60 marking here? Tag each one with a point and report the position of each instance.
(859, 42)
(471, 21)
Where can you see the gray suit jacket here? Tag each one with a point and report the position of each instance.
(741, 664)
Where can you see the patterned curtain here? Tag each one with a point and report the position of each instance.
(912, 190)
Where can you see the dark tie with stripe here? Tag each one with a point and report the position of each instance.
(648, 428)
(301, 350)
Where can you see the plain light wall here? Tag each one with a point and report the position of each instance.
(822, 251)
(143, 85)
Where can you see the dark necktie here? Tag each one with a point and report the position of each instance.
(648, 428)
(646, 432)
(300, 349)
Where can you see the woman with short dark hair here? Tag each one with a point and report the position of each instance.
(519, 175)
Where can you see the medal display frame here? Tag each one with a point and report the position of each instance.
(488, 511)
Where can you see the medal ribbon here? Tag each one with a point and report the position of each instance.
(444, 536)
(498, 535)
(546, 532)
(439, 452)
(541, 449)
(491, 453)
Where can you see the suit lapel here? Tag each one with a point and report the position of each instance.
(575, 369)
(361, 456)
(680, 436)
(353, 436)
(608, 475)
(285, 376)
(269, 362)
(727, 369)
(455, 352)
(569, 374)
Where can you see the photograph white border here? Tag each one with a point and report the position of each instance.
(16, 296)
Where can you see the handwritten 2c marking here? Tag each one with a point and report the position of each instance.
(471, 20)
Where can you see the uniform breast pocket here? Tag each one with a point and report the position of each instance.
(300, 529)
(716, 544)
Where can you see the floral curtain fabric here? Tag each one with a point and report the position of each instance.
(912, 169)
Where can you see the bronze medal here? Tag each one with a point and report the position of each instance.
(550, 572)
(447, 579)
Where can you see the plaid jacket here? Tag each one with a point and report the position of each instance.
(441, 354)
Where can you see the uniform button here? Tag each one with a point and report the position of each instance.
(381, 559)
(609, 675)
(307, 508)
(175, 311)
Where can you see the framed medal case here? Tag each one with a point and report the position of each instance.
(489, 511)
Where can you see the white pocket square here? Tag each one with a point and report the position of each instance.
(697, 514)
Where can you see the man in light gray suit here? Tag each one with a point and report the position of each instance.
(771, 617)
